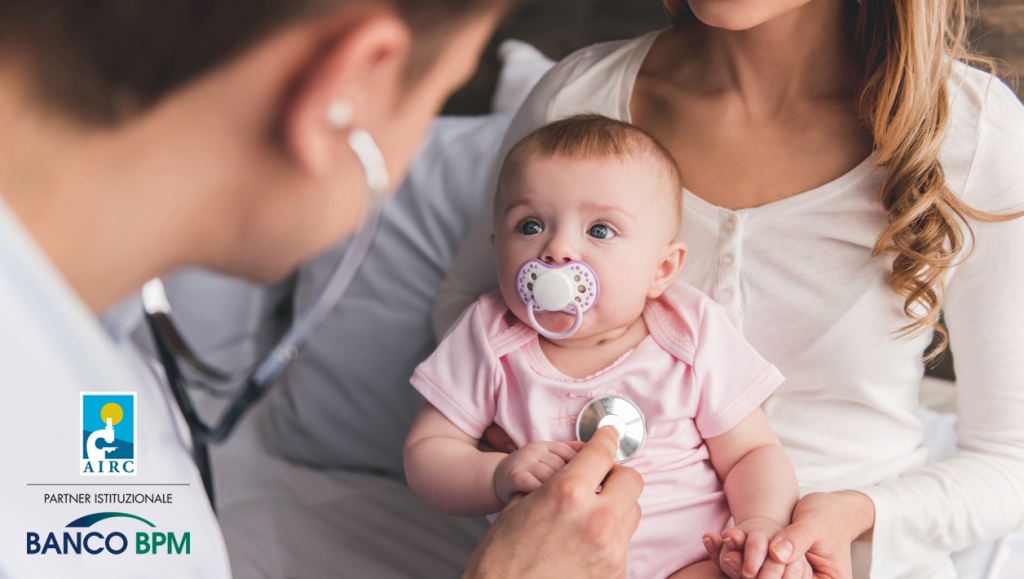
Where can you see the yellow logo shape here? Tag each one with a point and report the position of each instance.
(113, 411)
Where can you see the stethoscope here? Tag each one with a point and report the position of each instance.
(620, 413)
(172, 348)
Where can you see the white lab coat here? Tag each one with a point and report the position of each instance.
(52, 348)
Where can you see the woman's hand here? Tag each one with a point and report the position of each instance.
(566, 528)
(824, 525)
(742, 552)
(495, 439)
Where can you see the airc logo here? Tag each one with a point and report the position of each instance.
(108, 434)
(115, 543)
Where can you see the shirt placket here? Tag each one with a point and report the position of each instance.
(727, 290)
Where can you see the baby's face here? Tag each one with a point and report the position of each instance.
(617, 215)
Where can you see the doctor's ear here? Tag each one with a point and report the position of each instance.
(668, 269)
(354, 80)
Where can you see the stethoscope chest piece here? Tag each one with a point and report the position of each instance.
(618, 412)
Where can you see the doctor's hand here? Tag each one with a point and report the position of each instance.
(565, 528)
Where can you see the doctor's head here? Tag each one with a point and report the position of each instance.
(233, 114)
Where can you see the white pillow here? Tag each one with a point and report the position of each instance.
(522, 67)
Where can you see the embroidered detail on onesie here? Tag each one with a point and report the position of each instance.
(567, 415)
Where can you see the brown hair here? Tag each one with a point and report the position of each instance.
(589, 136)
(908, 50)
(102, 61)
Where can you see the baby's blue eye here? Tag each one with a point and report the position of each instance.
(530, 228)
(601, 232)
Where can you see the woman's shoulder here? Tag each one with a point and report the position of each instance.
(985, 136)
(598, 79)
(970, 85)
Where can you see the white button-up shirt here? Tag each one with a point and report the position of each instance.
(52, 350)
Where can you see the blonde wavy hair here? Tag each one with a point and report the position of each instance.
(908, 50)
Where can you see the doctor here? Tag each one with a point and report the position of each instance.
(136, 138)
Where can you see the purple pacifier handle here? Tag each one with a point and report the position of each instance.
(553, 335)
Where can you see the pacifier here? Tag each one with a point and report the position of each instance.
(571, 288)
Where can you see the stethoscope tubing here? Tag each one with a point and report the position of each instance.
(171, 345)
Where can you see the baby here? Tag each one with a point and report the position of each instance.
(600, 201)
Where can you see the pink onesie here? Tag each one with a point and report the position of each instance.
(693, 377)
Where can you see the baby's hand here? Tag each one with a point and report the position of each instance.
(742, 552)
(526, 469)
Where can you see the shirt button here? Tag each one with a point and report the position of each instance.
(726, 295)
(729, 225)
(726, 260)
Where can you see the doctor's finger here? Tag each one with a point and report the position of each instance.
(593, 462)
(621, 490)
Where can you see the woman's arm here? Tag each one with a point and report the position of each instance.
(977, 494)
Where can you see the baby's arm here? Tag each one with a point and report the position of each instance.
(760, 484)
(446, 469)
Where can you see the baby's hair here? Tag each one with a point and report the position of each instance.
(589, 136)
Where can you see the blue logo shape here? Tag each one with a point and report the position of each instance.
(108, 434)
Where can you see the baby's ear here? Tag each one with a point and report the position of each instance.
(668, 269)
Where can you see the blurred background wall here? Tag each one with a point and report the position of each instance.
(999, 32)
(559, 27)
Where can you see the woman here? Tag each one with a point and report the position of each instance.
(846, 180)
(137, 139)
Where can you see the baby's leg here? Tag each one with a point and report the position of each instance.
(703, 570)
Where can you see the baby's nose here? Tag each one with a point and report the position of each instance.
(559, 252)
(552, 260)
